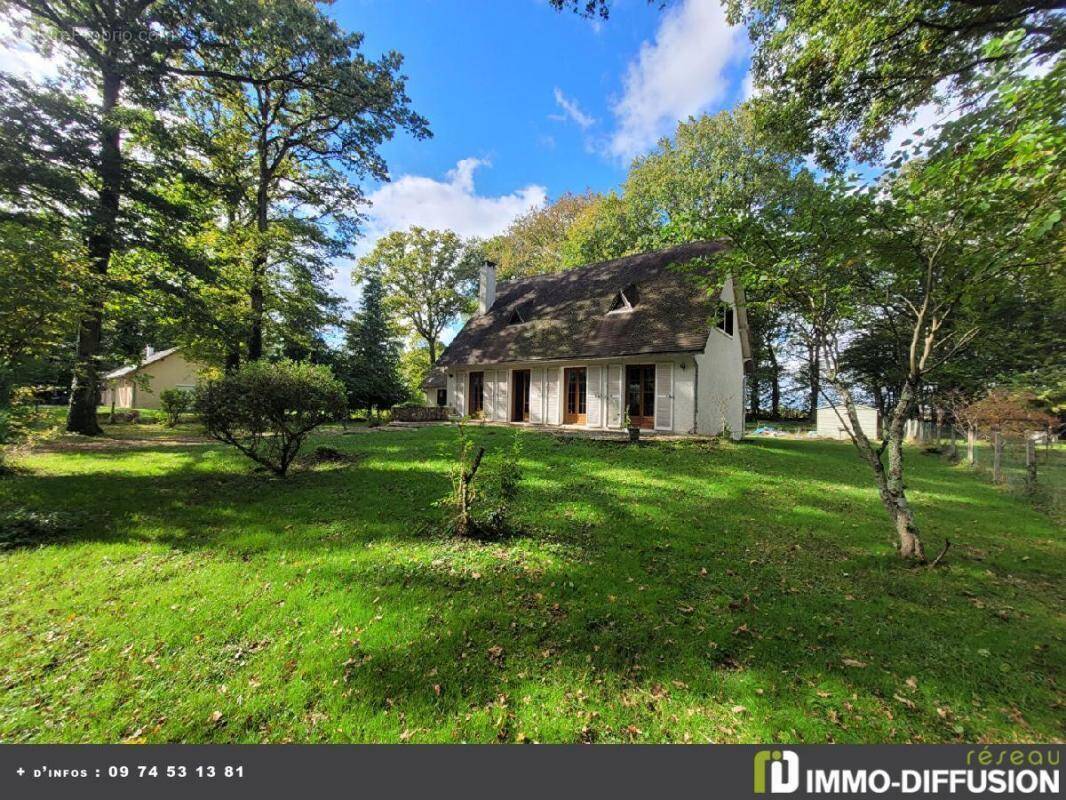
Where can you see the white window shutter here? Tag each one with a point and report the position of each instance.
(553, 397)
(594, 397)
(536, 396)
(501, 393)
(664, 397)
(614, 396)
(460, 393)
(490, 394)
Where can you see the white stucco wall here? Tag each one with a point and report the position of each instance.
(705, 390)
(832, 426)
(720, 379)
(546, 401)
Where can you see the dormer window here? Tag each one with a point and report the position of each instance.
(515, 317)
(625, 300)
(723, 318)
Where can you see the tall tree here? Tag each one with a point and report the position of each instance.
(844, 75)
(429, 278)
(74, 154)
(370, 365)
(610, 227)
(534, 243)
(312, 112)
(39, 294)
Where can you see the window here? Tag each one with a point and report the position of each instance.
(442, 397)
(723, 318)
(476, 404)
(575, 381)
(520, 395)
(640, 395)
(625, 300)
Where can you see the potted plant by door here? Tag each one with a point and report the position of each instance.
(634, 431)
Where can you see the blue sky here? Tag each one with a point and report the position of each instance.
(527, 103)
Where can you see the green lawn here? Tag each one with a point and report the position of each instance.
(667, 592)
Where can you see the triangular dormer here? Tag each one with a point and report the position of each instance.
(625, 300)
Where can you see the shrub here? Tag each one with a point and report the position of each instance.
(267, 410)
(18, 415)
(473, 511)
(174, 402)
(510, 472)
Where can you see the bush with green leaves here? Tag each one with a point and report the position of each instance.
(267, 410)
(174, 403)
(18, 415)
(511, 472)
(474, 511)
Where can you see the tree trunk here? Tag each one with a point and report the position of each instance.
(775, 386)
(814, 378)
(100, 242)
(889, 482)
(259, 259)
(233, 360)
(753, 386)
(432, 351)
(910, 543)
(259, 262)
(971, 440)
(879, 400)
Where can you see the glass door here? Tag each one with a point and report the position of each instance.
(640, 395)
(575, 384)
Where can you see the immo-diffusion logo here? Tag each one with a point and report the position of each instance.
(783, 769)
(1012, 771)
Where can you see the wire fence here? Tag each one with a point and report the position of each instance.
(1031, 464)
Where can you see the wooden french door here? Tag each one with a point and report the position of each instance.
(575, 385)
(520, 395)
(476, 402)
(640, 394)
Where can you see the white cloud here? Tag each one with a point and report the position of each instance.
(680, 74)
(571, 111)
(449, 204)
(747, 89)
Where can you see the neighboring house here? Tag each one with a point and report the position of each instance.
(833, 423)
(583, 347)
(139, 385)
(436, 388)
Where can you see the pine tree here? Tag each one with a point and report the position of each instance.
(372, 359)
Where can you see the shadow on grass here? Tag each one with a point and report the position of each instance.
(662, 580)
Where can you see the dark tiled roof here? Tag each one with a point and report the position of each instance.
(566, 314)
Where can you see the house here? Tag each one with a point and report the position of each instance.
(436, 388)
(586, 347)
(832, 422)
(139, 385)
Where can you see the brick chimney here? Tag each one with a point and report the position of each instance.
(486, 293)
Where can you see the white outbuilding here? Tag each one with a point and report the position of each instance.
(833, 422)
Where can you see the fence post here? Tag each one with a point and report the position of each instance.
(971, 441)
(997, 457)
(1030, 465)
